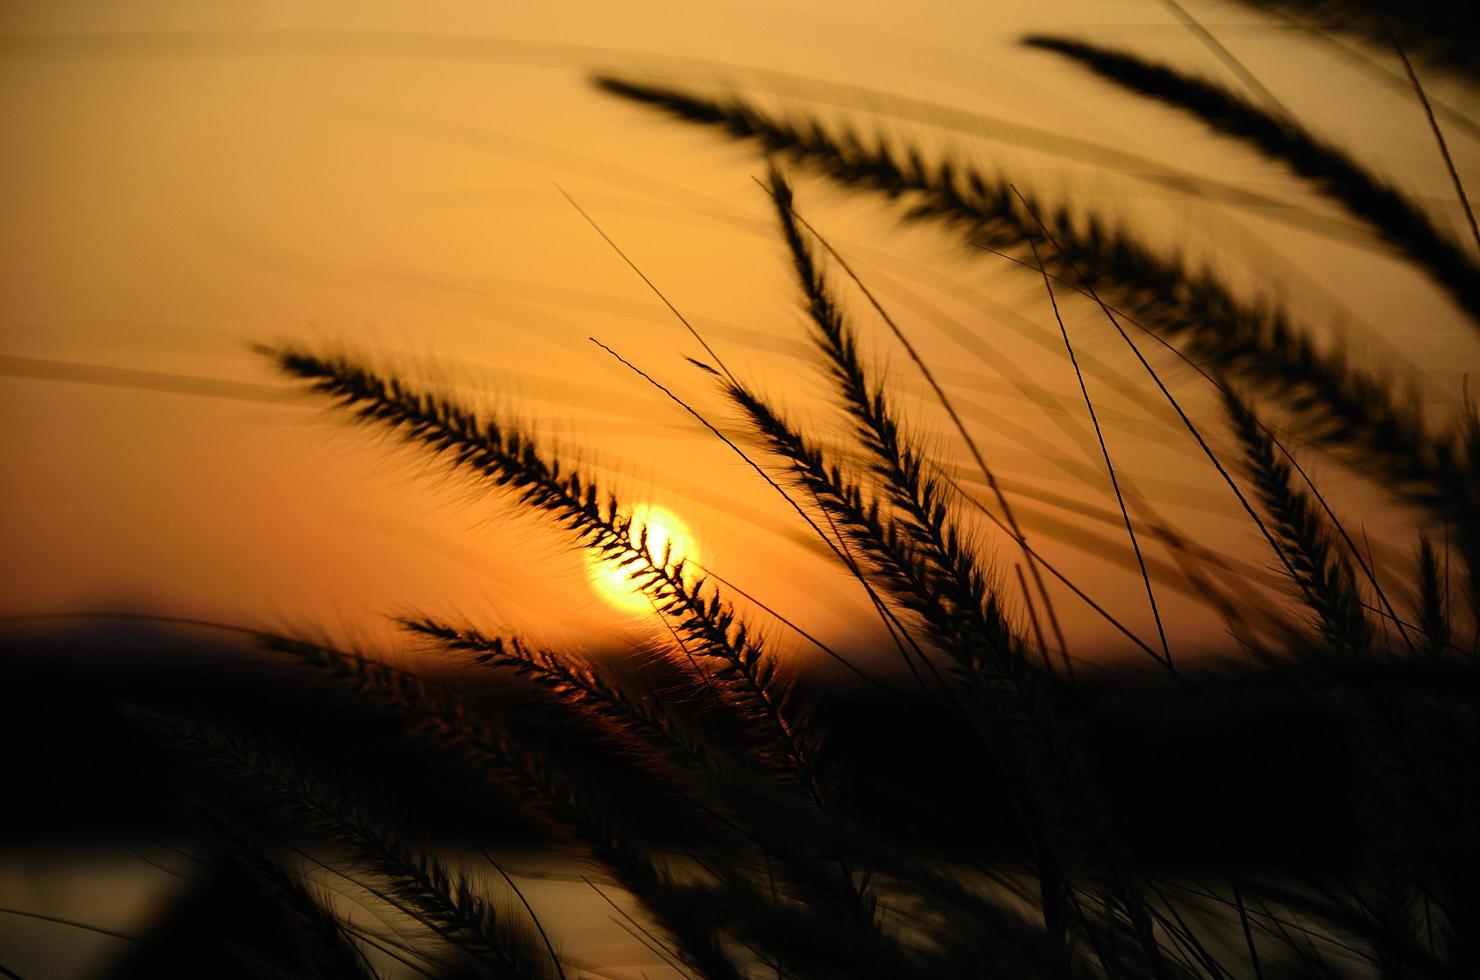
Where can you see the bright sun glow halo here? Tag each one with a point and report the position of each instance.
(614, 583)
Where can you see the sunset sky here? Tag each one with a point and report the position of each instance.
(182, 181)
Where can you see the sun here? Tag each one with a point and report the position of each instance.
(614, 583)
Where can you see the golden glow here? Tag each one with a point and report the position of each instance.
(327, 175)
(614, 583)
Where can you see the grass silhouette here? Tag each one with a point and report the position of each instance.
(768, 864)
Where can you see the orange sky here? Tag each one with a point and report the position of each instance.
(184, 180)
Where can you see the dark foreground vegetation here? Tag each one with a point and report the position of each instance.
(1308, 808)
(1232, 776)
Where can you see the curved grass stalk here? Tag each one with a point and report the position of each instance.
(1224, 390)
(946, 563)
(1336, 404)
(1440, 142)
(782, 197)
(1130, 530)
(1330, 170)
(1011, 707)
(507, 458)
(1323, 576)
(892, 553)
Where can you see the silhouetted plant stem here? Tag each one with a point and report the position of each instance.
(782, 197)
(1336, 404)
(508, 459)
(1166, 652)
(1318, 570)
(1330, 170)
(1428, 111)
